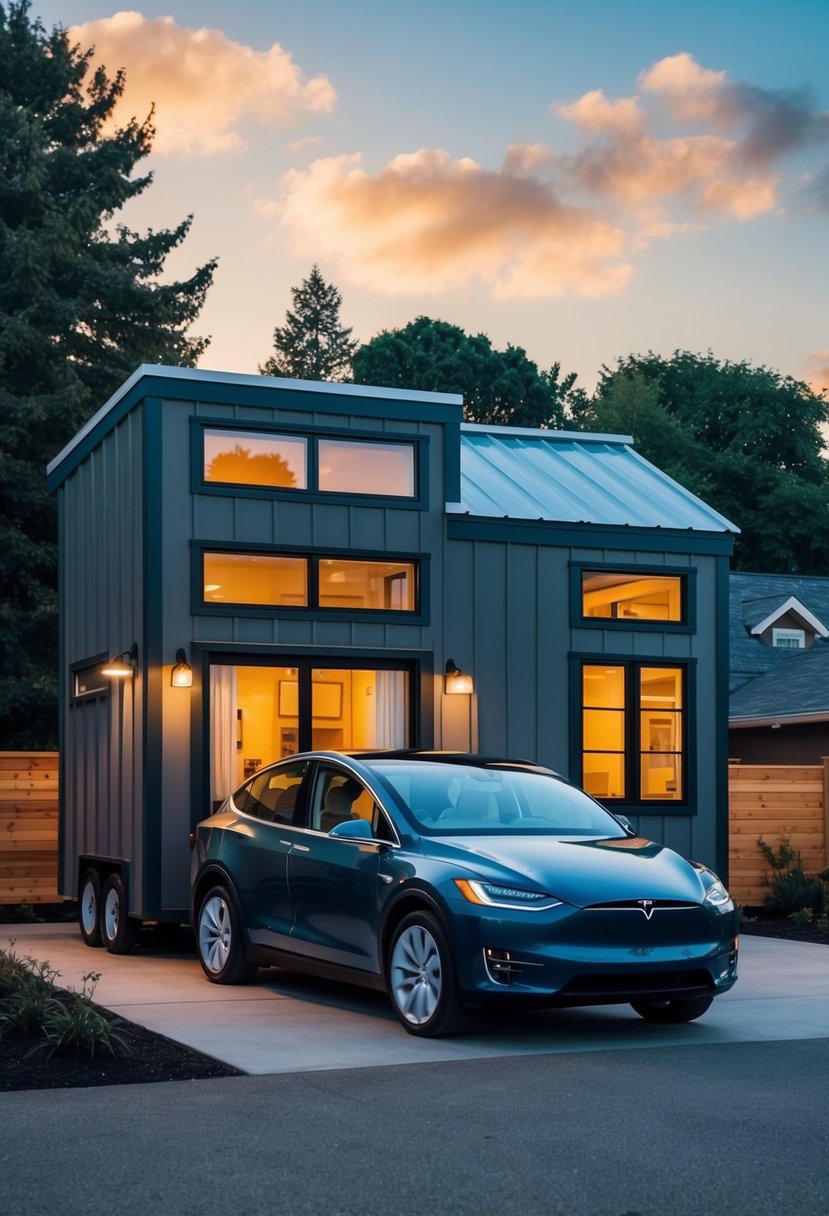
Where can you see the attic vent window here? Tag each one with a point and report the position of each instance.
(788, 639)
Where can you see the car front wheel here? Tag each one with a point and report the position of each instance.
(422, 983)
(672, 1010)
(219, 940)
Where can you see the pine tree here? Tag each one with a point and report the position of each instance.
(81, 306)
(312, 345)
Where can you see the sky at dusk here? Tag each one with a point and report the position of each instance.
(586, 179)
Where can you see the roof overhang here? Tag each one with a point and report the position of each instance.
(741, 723)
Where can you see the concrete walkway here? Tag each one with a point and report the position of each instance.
(284, 1023)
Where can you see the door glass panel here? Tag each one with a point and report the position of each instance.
(352, 708)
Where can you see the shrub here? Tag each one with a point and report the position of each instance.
(790, 890)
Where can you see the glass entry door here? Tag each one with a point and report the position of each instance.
(259, 714)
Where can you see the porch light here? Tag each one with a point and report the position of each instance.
(182, 673)
(123, 665)
(456, 681)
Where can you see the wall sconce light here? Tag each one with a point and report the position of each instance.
(123, 665)
(456, 681)
(182, 673)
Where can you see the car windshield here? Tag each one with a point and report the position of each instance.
(447, 799)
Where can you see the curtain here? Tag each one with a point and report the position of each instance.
(390, 709)
(223, 774)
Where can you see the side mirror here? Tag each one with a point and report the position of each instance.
(352, 829)
(625, 822)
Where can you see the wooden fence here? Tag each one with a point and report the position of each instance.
(28, 828)
(773, 801)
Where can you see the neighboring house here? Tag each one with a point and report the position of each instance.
(779, 682)
(279, 565)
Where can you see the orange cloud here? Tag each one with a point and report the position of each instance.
(817, 371)
(427, 222)
(202, 84)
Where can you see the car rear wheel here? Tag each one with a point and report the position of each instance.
(672, 1010)
(219, 940)
(422, 983)
(89, 908)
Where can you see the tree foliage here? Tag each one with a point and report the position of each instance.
(81, 305)
(312, 344)
(746, 439)
(500, 387)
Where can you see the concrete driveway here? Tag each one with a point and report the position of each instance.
(284, 1023)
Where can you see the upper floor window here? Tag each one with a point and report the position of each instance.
(252, 458)
(278, 580)
(263, 460)
(617, 596)
(788, 639)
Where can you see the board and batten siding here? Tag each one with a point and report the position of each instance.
(507, 621)
(28, 828)
(102, 541)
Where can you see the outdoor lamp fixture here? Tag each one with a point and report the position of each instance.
(456, 681)
(182, 674)
(123, 665)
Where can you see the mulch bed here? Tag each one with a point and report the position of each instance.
(768, 926)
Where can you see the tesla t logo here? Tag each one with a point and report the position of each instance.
(646, 906)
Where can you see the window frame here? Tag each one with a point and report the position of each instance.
(312, 610)
(688, 597)
(633, 802)
(420, 456)
(783, 634)
(93, 694)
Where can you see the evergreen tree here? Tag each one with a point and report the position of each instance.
(81, 306)
(312, 344)
(503, 388)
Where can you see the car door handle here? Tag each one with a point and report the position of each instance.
(302, 848)
(387, 878)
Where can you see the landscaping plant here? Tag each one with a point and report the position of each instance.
(791, 892)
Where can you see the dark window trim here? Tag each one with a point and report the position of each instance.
(688, 574)
(419, 500)
(417, 616)
(94, 694)
(634, 805)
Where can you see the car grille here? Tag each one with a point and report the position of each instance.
(636, 905)
(623, 987)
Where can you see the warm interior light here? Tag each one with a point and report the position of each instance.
(456, 681)
(182, 673)
(123, 665)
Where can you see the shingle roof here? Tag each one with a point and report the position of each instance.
(573, 478)
(768, 683)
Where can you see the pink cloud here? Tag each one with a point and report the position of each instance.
(202, 84)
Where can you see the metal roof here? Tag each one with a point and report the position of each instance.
(571, 477)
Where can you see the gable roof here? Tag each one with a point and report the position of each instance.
(797, 690)
(791, 605)
(759, 598)
(570, 477)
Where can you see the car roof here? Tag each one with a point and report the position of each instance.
(425, 755)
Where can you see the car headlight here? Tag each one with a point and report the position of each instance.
(489, 895)
(716, 895)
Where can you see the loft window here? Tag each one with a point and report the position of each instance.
(788, 639)
(88, 680)
(634, 737)
(348, 466)
(309, 582)
(616, 596)
(253, 458)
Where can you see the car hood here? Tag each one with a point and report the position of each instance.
(580, 872)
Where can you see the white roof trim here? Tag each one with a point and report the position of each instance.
(794, 605)
(738, 722)
(540, 433)
(246, 379)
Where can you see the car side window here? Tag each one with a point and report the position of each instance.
(338, 797)
(272, 794)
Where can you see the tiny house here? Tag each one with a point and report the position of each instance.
(251, 567)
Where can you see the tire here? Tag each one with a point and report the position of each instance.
(89, 908)
(422, 984)
(219, 940)
(118, 931)
(672, 1010)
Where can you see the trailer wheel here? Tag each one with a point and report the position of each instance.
(219, 940)
(118, 931)
(89, 908)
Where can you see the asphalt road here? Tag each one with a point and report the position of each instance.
(735, 1129)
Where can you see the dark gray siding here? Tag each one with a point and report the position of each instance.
(507, 621)
(101, 559)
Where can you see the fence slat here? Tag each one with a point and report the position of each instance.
(28, 827)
